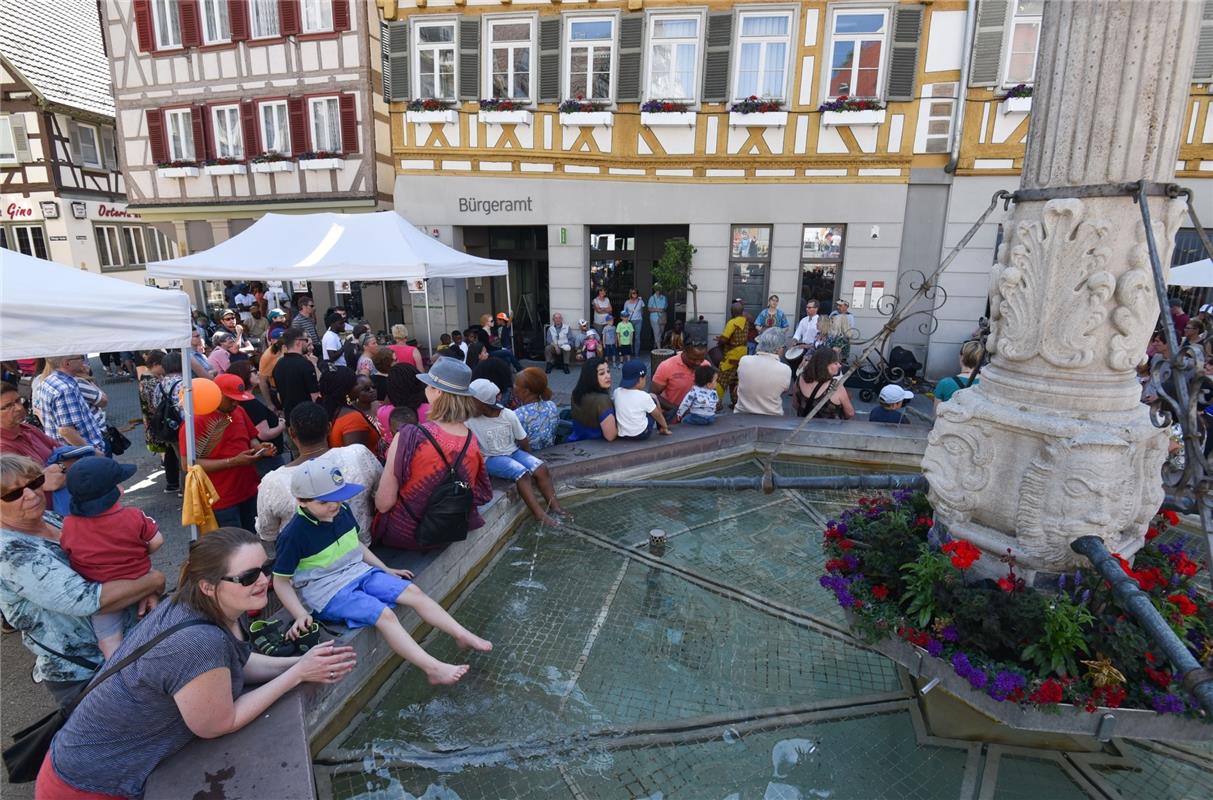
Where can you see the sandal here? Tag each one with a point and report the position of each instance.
(268, 639)
(308, 640)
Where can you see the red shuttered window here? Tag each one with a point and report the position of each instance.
(202, 132)
(238, 19)
(143, 26)
(289, 17)
(191, 24)
(155, 135)
(349, 124)
(248, 120)
(341, 15)
(298, 120)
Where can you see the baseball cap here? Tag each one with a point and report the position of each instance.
(582, 323)
(504, 317)
(276, 334)
(232, 386)
(227, 312)
(485, 391)
(633, 371)
(321, 479)
(895, 394)
(592, 333)
(93, 484)
(1206, 309)
(842, 301)
(277, 313)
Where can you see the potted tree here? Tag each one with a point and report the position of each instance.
(673, 272)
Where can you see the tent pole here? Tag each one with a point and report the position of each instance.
(187, 405)
(429, 337)
(509, 303)
(387, 322)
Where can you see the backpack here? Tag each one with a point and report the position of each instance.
(166, 419)
(445, 519)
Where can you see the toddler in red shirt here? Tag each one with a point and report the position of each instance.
(106, 542)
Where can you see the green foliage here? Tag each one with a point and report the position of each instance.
(673, 269)
(923, 576)
(1063, 635)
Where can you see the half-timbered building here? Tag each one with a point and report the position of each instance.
(62, 194)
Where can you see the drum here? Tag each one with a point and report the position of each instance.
(794, 355)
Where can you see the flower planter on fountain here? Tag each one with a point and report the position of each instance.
(1062, 661)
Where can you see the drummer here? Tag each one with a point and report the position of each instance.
(804, 340)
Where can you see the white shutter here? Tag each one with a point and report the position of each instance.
(987, 42)
(20, 138)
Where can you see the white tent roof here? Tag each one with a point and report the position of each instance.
(377, 246)
(1198, 273)
(47, 309)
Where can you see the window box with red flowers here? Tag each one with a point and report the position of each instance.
(177, 169)
(580, 112)
(431, 111)
(225, 166)
(758, 112)
(845, 110)
(500, 111)
(1020, 655)
(666, 113)
(321, 160)
(272, 162)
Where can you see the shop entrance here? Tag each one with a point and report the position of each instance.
(621, 259)
(526, 250)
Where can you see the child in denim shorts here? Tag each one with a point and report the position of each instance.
(506, 450)
(321, 565)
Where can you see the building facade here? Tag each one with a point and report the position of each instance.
(805, 149)
(228, 109)
(62, 194)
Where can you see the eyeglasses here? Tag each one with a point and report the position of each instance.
(250, 576)
(17, 493)
(17, 402)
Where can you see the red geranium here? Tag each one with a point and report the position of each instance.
(1184, 565)
(1183, 603)
(1159, 677)
(1109, 696)
(924, 522)
(1151, 534)
(1171, 517)
(880, 592)
(1007, 584)
(845, 544)
(963, 553)
(1049, 692)
(836, 565)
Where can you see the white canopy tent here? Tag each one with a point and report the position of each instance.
(48, 309)
(377, 246)
(1198, 273)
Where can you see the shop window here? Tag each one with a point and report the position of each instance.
(275, 128)
(326, 124)
(1023, 39)
(857, 45)
(763, 45)
(166, 16)
(749, 266)
(216, 28)
(434, 45)
(510, 58)
(28, 239)
(229, 138)
(590, 57)
(263, 19)
(821, 253)
(673, 57)
(180, 124)
(109, 249)
(317, 16)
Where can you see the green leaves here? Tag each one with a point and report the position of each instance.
(1063, 638)
(924, 575)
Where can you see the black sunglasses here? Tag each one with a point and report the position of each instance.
(250, 576)
(16, 494)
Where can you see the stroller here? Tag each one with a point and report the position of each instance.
(901, 367)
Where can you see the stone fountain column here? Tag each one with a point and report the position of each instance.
(1053, 443)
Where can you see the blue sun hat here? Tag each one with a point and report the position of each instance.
(448, 375)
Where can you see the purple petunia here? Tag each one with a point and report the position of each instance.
(1173, 548)
(1006, 684)
(935, 647)
(950, 634)
(1167, 704)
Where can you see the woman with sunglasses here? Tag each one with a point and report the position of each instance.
(40, 594)
(189, 684)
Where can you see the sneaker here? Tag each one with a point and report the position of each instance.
(171, 489)
(547, 369)
(566, 370)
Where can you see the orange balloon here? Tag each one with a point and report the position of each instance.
(206, 395)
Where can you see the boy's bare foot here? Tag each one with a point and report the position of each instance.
(446, 674)
(474, 642)
(550, 521)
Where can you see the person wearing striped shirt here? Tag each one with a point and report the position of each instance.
(66, 415)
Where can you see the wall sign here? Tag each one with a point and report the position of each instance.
(416, 285)
(14, 211)
(107, 212)
(877, 292)
(858, 292)
(50, 209)
(79, 210)
(58, 238)
(476, 205)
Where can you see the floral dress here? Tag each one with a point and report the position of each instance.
(734, 337)
(539, 420)
(148, 399)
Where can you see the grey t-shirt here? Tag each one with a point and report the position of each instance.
(130, 723)
(497, 436)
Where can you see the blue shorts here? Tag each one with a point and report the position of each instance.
(513, 466)
(360, 603)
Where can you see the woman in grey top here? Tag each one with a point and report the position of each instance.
(189, 684)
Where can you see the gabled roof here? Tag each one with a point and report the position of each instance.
(57, 48)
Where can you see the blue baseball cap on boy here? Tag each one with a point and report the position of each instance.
(93, 484)
(633, 371)
(322, 480)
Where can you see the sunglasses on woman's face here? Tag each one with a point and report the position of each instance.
(15, 494)
(250, 576)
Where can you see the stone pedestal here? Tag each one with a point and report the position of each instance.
(1053, 443)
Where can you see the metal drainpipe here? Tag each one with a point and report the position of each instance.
(965, 61)
(1196, 680)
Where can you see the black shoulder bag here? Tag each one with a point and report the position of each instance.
(446, 514)
(24, 757)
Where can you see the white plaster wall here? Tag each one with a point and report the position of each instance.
(945, 45)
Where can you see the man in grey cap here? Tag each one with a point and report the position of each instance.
(557, 344)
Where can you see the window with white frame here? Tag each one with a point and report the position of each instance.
(263, 18)
(158, 247)
(229, 141)
(326, 124)
(857, 48)
(215, 26)
(29, 239)
(590, 57)
(132, 243)
(8, 145)
(1021, 46)
(275, 128)
(434, 59)
(763, 44)
(87, 143)
(317, 16)
(673, 57)
(179, 125)
(510, 49)
(166, 18)
(109, 248)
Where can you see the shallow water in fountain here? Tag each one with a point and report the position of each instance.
(718, 669)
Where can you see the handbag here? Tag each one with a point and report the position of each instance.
(118, 443)
(447, 511)
(23, 758)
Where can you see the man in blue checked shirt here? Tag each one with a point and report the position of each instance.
(66, 417)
